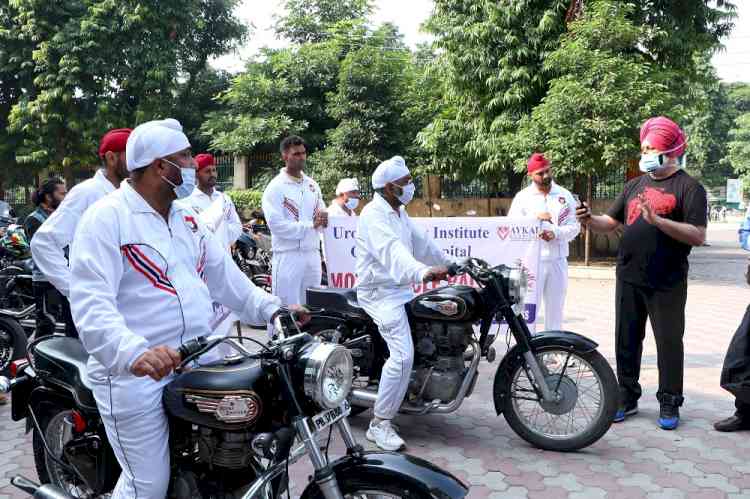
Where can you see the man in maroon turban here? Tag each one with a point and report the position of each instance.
(554, 206)
(664, 216)
(50, 243)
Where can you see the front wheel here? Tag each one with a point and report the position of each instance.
(365, 488)
(587, 398)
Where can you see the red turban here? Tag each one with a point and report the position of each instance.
(664, 135)
(537, 162)
(204, 160)
(114, 141)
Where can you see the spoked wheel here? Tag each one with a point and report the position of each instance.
(356, 488)
(58, 432)
(586, 399)
(12, 343)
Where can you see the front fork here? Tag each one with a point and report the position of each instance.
(523, 337)
(324, 474)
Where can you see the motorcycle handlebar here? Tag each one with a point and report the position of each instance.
(192, 347)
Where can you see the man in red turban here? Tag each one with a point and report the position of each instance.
(664, 216)
(217, 211)
(50, 243)
(554, 206)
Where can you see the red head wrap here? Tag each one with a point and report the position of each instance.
(537, 162)
(664, 135)
(114, 141)
(204, 160)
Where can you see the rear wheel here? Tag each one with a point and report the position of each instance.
(587, 394)
(12, 343)
(57, 432)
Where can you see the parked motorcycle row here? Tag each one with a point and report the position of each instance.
(238, 424)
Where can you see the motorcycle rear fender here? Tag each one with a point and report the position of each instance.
(564, 339)
(406, 471)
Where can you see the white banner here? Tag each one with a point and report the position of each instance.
(498, 240)
(734, 189)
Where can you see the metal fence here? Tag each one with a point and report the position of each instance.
(225, 172)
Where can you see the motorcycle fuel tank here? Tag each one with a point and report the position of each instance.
(220, 395)
(449, 303)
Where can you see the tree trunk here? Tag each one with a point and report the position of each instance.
(587, 250)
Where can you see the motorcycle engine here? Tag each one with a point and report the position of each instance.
(225, 449)
(439, 365)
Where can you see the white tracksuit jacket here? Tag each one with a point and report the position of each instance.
(336, 210)
(47, 246)
(392, 254)
(553, 278)
(139, 282)
(290, 206)
(219, 214)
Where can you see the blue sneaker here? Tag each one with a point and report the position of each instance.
(669, 416)
(625, 411)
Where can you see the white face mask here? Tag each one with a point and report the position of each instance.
(352, 203)
(187, 186)
(407, 193)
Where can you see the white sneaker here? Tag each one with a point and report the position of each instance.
(384, 436)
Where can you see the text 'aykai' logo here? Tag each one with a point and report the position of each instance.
(517, 232)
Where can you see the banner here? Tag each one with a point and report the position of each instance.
(498, 240)
(734, 189)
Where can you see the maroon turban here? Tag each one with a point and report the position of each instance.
(537, 162)
(114, 141)
(204, 160)
(664, 135)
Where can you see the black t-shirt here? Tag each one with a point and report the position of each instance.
(647, 256)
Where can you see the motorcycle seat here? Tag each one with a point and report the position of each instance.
(63, 360)
(341, 300)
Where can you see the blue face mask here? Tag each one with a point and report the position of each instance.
(650, 162)
(187, 186)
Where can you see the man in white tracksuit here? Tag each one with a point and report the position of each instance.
(555, 207)
(390, 254)
(347, 199)
(144, 274)
(55, 236)
(295, 212)
(217, 211)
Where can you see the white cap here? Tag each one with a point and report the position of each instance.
(388, 171)
(347, 185)
(153, 140)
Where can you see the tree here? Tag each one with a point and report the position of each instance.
(739, 147)
(310, 20)
(603, 92)
(99, 64)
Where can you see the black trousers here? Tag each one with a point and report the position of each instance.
(743, 408)
(52, 306)
(665, 309)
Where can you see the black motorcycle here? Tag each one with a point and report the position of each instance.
(252, 254)
(235, 426)
(554, 388)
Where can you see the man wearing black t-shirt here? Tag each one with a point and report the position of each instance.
(664, 216)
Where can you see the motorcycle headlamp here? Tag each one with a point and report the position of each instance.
(518, 284)
(328, 374)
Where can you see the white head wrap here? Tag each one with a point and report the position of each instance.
(347, 185)
(153, 140)
(388, 171)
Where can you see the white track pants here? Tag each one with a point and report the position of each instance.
(137, 429)
(393, 325)
(553, 284)
(292, 273)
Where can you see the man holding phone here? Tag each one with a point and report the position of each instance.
(664, 216)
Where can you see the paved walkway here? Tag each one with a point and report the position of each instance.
(635, 459)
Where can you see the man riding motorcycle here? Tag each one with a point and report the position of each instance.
(144, 274)
(390, 251)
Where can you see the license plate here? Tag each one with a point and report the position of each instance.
(326, 418)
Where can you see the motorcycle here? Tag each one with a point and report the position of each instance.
(235, 425)
(252, 254)
(554, 388)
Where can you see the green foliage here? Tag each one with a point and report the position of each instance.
(99, 64)
(245, 199)
(603, 91)
(309, 20)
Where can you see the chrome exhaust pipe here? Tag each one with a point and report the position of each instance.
(18, 314)
(366, 398)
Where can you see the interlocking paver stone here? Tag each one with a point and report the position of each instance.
(635, 459)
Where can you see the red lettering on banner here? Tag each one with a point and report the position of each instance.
(342, 279)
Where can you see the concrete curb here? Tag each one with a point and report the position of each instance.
(595, 273)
